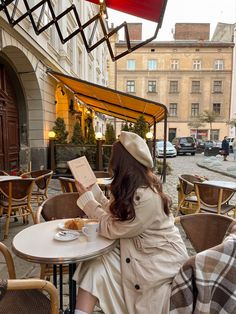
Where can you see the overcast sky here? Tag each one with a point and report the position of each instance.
(183, 11)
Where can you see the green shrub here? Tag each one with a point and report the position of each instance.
(159, 167)
(91, 135)
(77, 137)
(60, 131)
(110, 135)
(141, 127)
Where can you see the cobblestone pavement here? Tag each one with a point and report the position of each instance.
(180, 165)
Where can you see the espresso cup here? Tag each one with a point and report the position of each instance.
(90, 230)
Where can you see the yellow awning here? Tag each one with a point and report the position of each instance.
(112, 102)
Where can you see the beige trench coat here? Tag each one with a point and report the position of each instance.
(151, 247)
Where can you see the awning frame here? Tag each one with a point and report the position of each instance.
(14, 19)
(86, 92)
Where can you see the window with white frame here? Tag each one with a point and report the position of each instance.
(197, 64)
(216, 108)
(52, 31)
(47, 16)
(70, 50)
(131, 64)
(152, 64)
(217, 86)
(152, 86)
(194, 109)
(219, 65)
(79, 61)
(215, 134)
(130, 86)
(174, 64)
(173, 110)
(174, 86)
(196, 86)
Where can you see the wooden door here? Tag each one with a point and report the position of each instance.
(9, 124)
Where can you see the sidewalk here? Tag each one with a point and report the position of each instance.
(216, 164)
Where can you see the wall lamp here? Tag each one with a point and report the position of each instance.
(149, 135)
(98, 136)
(51, 135)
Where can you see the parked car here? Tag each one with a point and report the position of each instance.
(184, 145)
(208, 144)
(200, 143)
(230, 140)
(170, 149)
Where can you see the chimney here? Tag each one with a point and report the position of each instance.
(135, 31)
(192, 31)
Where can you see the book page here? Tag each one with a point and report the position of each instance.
(82, 171)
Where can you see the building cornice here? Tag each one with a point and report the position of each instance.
(185, 43)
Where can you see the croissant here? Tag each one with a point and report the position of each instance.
(74, 224)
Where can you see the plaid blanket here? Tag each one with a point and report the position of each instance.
(206, 283)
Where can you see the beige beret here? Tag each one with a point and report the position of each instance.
(137, 147)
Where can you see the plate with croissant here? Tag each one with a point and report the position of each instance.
(72, 224)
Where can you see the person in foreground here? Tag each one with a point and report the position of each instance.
(206, 283)
(136, 276)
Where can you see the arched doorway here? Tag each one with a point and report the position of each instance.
(9, 122)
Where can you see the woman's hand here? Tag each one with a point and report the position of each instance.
(81, 188)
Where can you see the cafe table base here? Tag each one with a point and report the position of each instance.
(58, 272)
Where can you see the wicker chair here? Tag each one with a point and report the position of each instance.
(3, 173)
(101, 174)
(42, 180)
(16, 196)
(67, 184)
(214, 199)
(58, 207)
(204, 230)
(23, 296)
(188, 198)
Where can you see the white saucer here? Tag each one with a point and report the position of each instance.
(66, 235)
(61, 226)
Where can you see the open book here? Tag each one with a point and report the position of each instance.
(82, 171)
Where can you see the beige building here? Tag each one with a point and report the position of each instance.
(188, 76)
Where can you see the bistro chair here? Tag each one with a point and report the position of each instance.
(206, 281)
(25, 295)
(16, 196)
(3, 173)
(42, 179)
(204, 230)
(101, 174)
(214, 199)
(103, 187)
(67, 184)
(187, 196)
(58, 207)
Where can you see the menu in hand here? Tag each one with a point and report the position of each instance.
(82, 171)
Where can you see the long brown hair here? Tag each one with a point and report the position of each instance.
(128, 175)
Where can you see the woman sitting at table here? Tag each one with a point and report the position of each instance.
(136, 276)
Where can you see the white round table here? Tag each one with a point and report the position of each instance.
(37, 244)
(222, 184)
(5, 178)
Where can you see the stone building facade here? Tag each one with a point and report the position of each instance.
(30, 99)
(188, 76)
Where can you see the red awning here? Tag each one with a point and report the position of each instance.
(152, 10)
